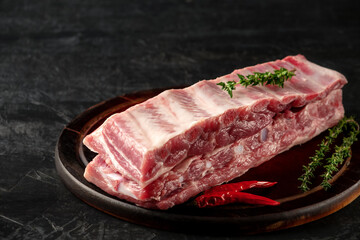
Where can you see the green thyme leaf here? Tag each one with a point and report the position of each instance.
(267, 78)
(340, 153)
(229, 86)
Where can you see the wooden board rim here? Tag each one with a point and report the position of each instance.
(167, 219)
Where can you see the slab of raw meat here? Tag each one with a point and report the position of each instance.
(149, 139)
(196, 174)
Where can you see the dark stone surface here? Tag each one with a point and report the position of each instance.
(58, 58)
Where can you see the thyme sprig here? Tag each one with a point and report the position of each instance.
(277, 78)
(340, 154)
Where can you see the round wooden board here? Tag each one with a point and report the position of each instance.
(296, 208)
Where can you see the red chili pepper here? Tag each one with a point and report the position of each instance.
(239, 186)
(231, 193)
(232, 197)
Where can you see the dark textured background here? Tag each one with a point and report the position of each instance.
(57, 58)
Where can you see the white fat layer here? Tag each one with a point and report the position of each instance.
(114, 161)
(208, 164)
(209, 104)
(158, 127)
(114, 176)
(304, 80)
(239, 149)
(184, 165)
(183, 114)
(123, 189)
(137, 134)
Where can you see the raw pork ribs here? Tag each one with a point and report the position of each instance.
(170, 148)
